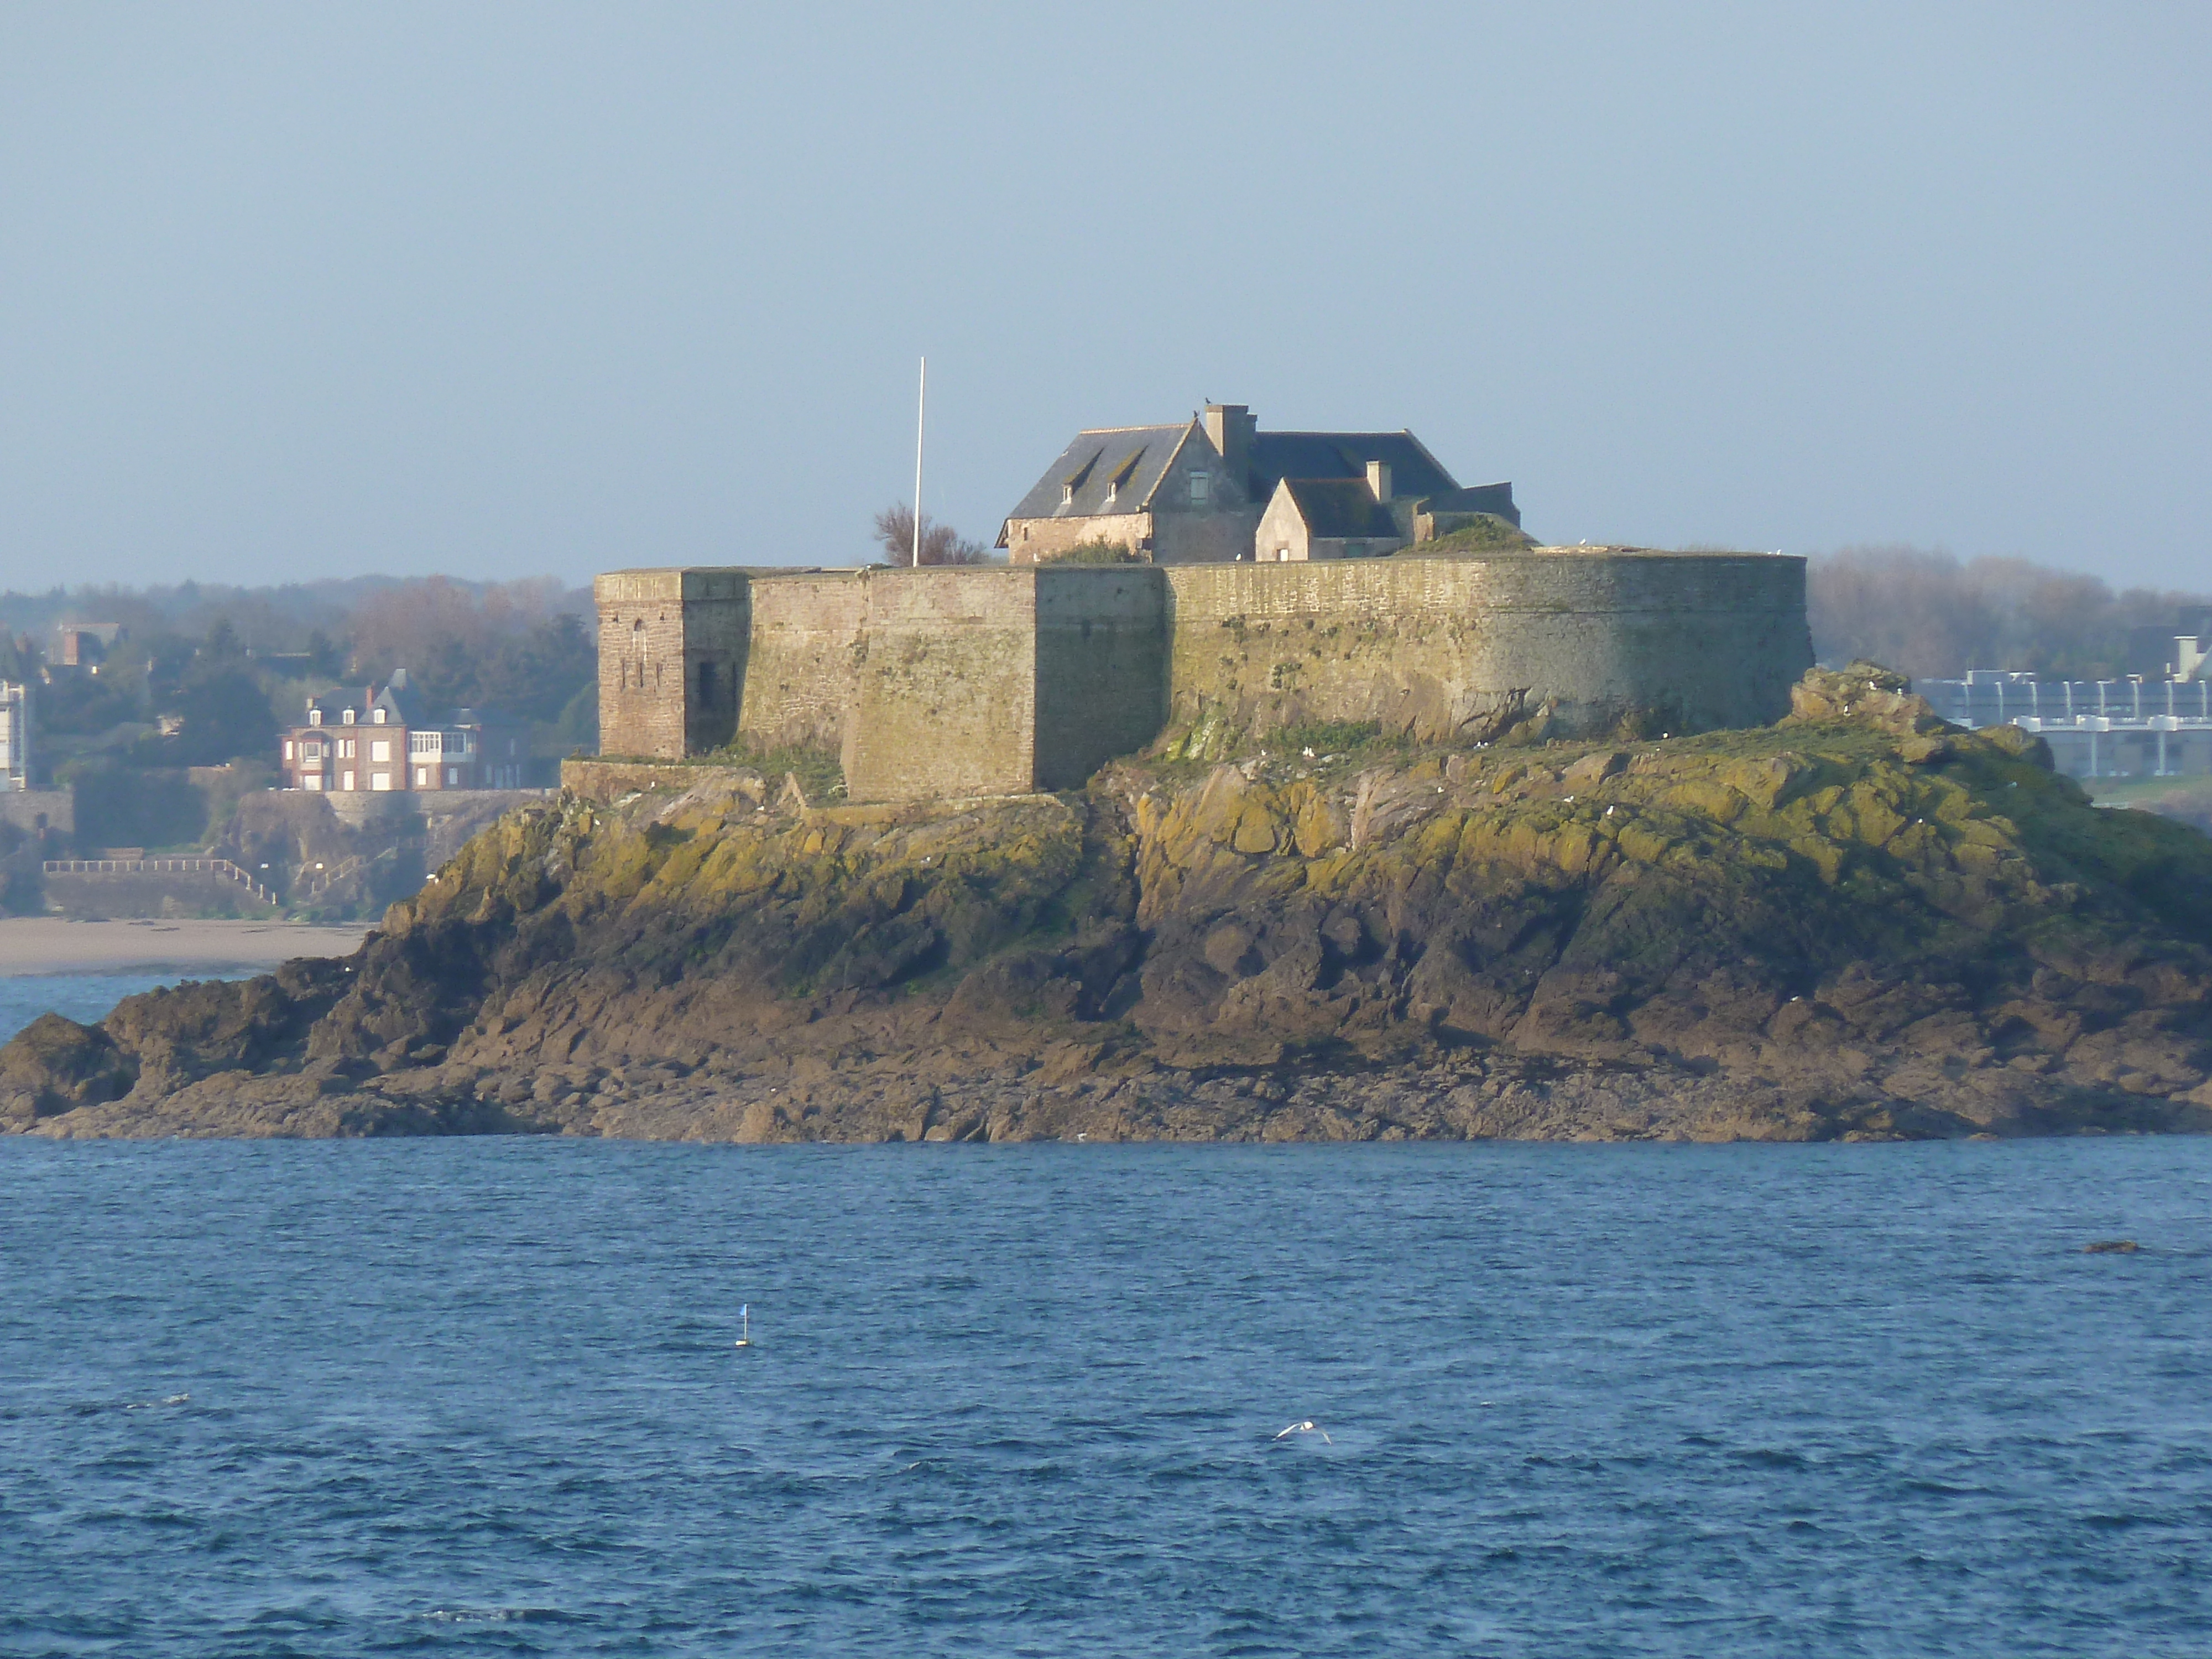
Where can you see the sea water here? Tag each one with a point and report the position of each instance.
(86, 997)
(483, 1397)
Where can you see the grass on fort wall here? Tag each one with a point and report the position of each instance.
(820, 772)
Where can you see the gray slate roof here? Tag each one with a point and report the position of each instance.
(1128, 460)
(1335, 507)
(1280, 455)
(1477, 498)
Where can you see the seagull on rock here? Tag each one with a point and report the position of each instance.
(1307, 1427)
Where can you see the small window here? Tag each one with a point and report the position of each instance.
(376, 717)
(1201, 487)
(287, 748)
(706, 685)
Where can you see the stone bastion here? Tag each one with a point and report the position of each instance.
(947, 682)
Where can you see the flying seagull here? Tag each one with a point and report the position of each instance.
(1307, 1427)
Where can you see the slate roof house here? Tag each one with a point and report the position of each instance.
(382, 740)
(1216, 489)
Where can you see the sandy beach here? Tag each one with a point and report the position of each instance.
(54, 945)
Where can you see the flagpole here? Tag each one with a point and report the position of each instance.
(921, 410)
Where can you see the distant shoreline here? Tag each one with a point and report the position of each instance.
(54, 944)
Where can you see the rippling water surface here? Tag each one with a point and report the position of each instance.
(85, 997)
(480, 1396)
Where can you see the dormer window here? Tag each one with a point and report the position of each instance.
(1123, 473)
(376, 717)
(314, 717)
(1075, 480)
(349, 717)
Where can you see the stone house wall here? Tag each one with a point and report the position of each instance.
(1032, 541)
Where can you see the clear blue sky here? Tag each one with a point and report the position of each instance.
(494, 290)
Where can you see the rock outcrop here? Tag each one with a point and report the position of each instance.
(1857, 923)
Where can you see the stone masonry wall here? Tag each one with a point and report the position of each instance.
(1029, 541)
(641, 635)
(949, 682)
(1102, 667)
(944, 693)
(672, 648)
(1465, 646)
(1220, 536)
(799, 674)
(36, 809)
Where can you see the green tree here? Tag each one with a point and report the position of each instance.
(226, 713)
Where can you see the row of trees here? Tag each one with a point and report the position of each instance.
(524, 648)
(1930, 615)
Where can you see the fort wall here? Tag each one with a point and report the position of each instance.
(948, 682)
(673, 650)
(801, 659)
(1102, 667)
(1439, 647)
(944, 685)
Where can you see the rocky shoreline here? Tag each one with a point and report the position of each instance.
(1859, 924)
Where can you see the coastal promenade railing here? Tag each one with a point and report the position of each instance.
(223, 869)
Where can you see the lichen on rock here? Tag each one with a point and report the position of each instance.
(1857, 923)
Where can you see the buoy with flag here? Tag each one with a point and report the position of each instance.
(745, 1325)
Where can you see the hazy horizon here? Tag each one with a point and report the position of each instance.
(499, 292)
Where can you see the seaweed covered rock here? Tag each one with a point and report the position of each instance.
(55, 1065)
(1859, 923)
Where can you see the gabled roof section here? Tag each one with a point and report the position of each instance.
(1336, 507)
(1280, 455)
(1496, 498)
(399, 701)
(1127, 462)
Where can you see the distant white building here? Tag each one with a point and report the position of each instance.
(14, 738)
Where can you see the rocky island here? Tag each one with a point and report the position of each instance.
(1858, 923)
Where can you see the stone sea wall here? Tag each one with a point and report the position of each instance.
(1441, 648)
(964, 682)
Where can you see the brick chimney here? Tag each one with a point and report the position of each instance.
(1378, 480)
(1229, 428)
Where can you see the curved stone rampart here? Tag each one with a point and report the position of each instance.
(1468, 647)
(949, 682)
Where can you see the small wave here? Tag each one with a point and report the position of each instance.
(500, 1616)
(1771, 1457)
(156, 1405)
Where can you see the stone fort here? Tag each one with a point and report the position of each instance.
(949, 682)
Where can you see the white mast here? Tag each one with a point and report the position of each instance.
(921, 409)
